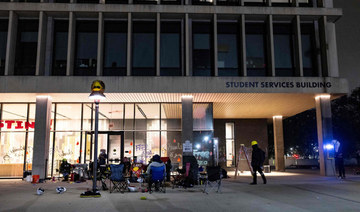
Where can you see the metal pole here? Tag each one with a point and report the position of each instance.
(96, 143)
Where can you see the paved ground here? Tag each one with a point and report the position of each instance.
(291, 191)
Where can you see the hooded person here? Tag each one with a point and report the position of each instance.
(257, 161)
(156, 162)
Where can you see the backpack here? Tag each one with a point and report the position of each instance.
(262, 158)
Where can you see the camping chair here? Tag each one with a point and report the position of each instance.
(179, 180)
(213, 180)
(117, 178)
(158, 177)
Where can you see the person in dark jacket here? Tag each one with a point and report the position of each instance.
(257, 160)
(102, 166)
(65, 169)
(339, 160)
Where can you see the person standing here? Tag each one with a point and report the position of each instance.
(257, 161)
(65, 169)
(339, 160)
(102, 167)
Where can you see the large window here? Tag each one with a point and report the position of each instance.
(256, 49)
(230, 144)
(170, 51)
(228, 49)
(86, 48)
(3, 38)
(148, 129)
(26, 47)
(203, 133)
(202, 49)
(60, 48)
(308, 50)
(115, 47)
(13, 140)
(143, 54)
(283, 50)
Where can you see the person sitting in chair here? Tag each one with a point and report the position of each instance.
(65, 169)
(156, 162)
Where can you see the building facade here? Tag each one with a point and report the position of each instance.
(174, 70)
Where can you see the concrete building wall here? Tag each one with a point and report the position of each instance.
(246, 130)
(347, 34)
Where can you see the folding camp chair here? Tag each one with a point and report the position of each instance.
(213, 180)
(117, 178)
(158, 177)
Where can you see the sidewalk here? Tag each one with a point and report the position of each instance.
(290, 191)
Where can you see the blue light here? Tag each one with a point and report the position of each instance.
(206, 138)
(198, 146)
(329, 146)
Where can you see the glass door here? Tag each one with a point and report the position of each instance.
(112, 142)
(115, 150)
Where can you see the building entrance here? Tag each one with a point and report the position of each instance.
(112, 142)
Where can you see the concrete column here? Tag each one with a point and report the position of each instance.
(325, 135)
(11, 43)
(332, 51)
(216, 71)
(41, 136)
(242, 2)
(323, 46)
(187, 45)
(279, 143)
(71, 45)
(270, 44)
(129, 39)
(298, 47)
(325, 3)
(268, 3)
(295, 3)
(49, 46)
(187, 121)
(158, 25)
(242, 67)
(100, 49)
(41, 44)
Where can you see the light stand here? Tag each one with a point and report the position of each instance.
(96, 144)
(97, 88)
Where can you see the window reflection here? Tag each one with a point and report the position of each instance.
(115, 48)
(255, 49)
(86, 48)
(308, 50)
(60, 48)
(170, 52)
(228, 49)
(202, 49)
(143, 60)
(283, 50)
(26, 47)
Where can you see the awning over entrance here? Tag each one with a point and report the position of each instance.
(225, 105)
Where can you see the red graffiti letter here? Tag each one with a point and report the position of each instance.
(19, 125)
(1, 124)
(9, 123)
(29, 125)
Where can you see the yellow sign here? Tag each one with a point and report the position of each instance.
(98, 85)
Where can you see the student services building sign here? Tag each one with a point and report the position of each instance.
(280, 84)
